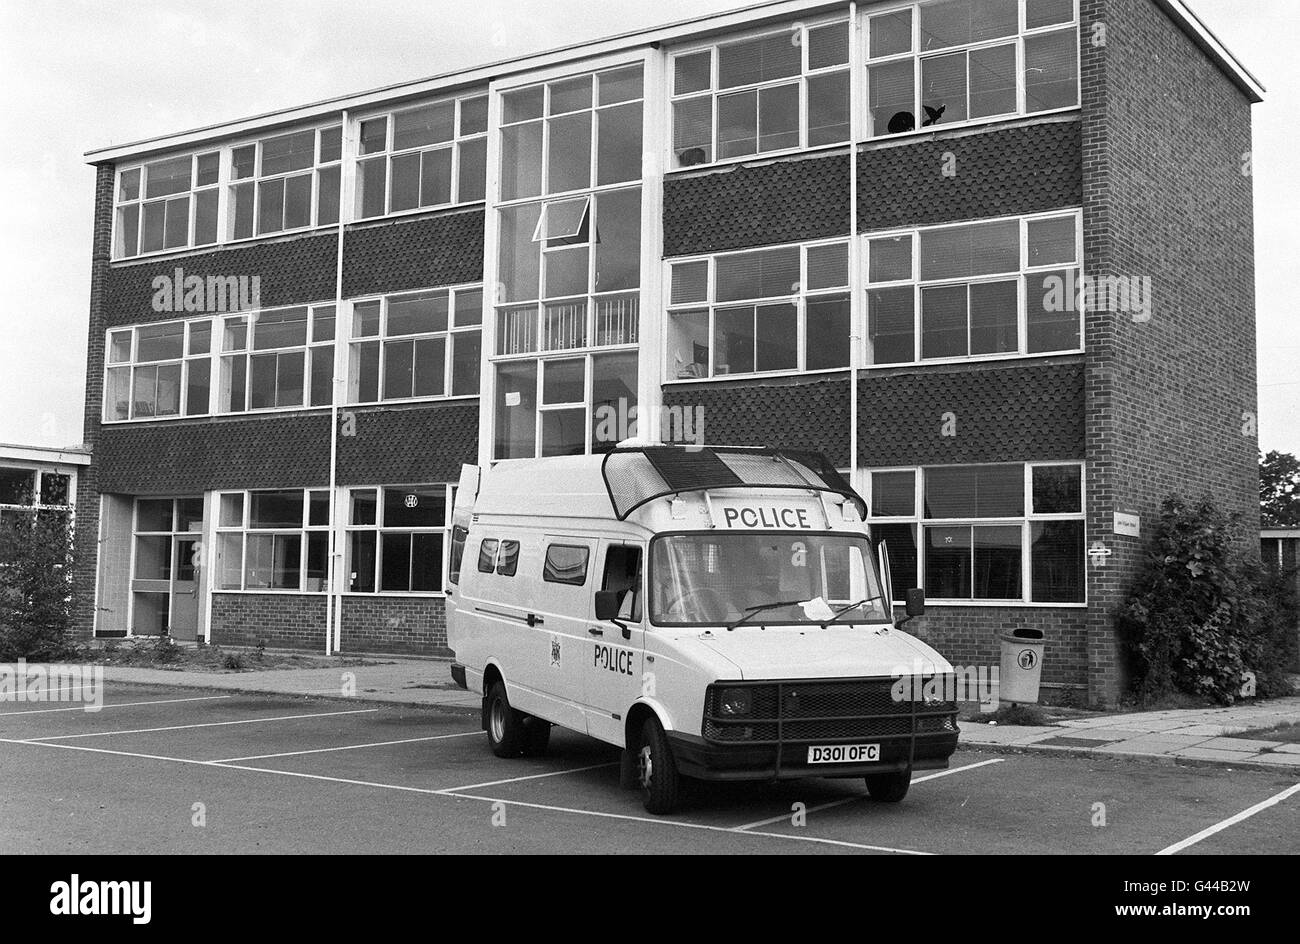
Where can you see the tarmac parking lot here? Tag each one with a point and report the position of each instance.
(162, 770)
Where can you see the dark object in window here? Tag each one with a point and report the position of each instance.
(902, 121)
(692, 157)
(566, 563)
(508, 559)
(932, 115)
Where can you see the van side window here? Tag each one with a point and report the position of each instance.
(457, 553)
(508, 558)
(566, 563)
(623, 574)
(487, 555)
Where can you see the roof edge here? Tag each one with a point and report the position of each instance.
(1214, 48)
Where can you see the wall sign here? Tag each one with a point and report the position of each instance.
(1129, 525)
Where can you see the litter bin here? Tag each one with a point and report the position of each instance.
(1022, 666)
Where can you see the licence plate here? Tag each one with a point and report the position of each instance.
(844, 754)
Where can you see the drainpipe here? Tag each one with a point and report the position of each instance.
(333, 609)
(855, 250)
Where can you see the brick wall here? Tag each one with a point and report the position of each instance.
(968, 636)
(276, 620)
(395, 624)
(1164, 138)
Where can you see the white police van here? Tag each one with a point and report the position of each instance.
(716, 612)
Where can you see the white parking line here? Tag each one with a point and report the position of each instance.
(784, 817)
(553, 773)
(119, 704)
(209, 724)
(346, 747)
(1230, 821)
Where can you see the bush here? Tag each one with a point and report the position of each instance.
(1205, 610)
(234, 661)
(36, 592)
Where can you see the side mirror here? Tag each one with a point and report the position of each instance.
(915, 604)
(608, 603)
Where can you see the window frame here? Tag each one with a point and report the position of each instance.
(244, 531)
(1020, 275)
(132, 364)
(380, 529)
(1026, 521)
(310, 348)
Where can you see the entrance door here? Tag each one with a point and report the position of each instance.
(185, 589)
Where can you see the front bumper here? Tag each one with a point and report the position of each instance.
(709, 760)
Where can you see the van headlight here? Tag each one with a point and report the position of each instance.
(735, 702)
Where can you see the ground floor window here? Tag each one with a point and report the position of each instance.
(166, 557)
(1010, 532)
(396, 536)
(273, 540)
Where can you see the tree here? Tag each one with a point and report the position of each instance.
(35, 585)
(1279, 490)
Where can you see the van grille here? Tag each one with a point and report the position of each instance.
(839, 710)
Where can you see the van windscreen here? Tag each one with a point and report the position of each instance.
(715, 579)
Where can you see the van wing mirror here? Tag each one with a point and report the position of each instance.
(608, 603)
(915, 605)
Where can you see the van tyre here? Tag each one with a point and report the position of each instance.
(537, 736)
(656, 771)
(507, 735)
(889, 788)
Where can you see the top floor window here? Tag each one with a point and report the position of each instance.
(430, 156)
(775, 92)
(168, 204)
(956, 61)
(286, 182)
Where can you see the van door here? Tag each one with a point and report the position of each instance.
(560, 639)
(616, 666)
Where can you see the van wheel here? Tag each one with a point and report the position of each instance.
(656, 771)
(889, 788)
(505, 726)
(537, 736)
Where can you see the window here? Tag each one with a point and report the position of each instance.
(487, 555)
(987, 532)
(277, 359)
(457, 553)
(768, 310)
(159, 370)
(429, 156)
(417, 345)
(623, 576)
(508, 558)
(167, 204)
(396, 536)
(27, 494)
(777, 91)
(566, 563)
(286, 182)
(273, 540)
(950, 62)
(988, 289)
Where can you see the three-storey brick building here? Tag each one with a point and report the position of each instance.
(994, 258)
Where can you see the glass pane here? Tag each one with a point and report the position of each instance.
(569, 155)
(828, 109)
(167, 177)
(364, 504)
(891, 325)
(128, 230)
(54, 488)
(566, 222)
(828, 46)
(160, 342)
(270, 206)
(362, 556)
(243, 162)
(189, 514)
(964, 251)
(688, 344)
(176, 230)
(955, 22)
(487, 555)
(198, 386)
(891, 259)
(374, 136)
(508, 559)
(399, 369)
(893, 494)
(466, 352)
(129, 185)
(690, 282)
(415, 506)
(975, 491)
(993, 81)
(435, 177)
(564, 381)
(998, 562)
(566, 271)
(152, 514)
(430, 367)
(994, 318)
(231, 514)
(733, 340)
(613, 399)
(943, 322)
(288, 152)
(472, 180)
(517, 329)
(1057, 555)
(282, 509)
(284, 328)
(948, 563)
(417, 314)
(406, 182)
(473, 115)
(891, 34)
(693, 73)
(618, 151)
(943, 89)
(619, 85)
(618, 241)
(331, 145)
(1052, 311)
(768, 273)
(777, 338)
(563, 432)
(365, 319)
(892, 97)
(760, 60)
(827, 343)
(828, 267)
(738, 124)
(322, 323)
(1047, 12)
(1052, 242)
(570, 95)
(521, 161)
(205, 217)
(234, 379)
(322, 376)
(318, 551)
(241, 226)
(426, 562)
(1058, 489)
(522, 105)
(149, 614)
(117, 395)
(230, 549)
(516, 410)
(693, 131)
(565, 564)
(370, 187)
(430, 124)
(1051, 71)
(900, 541)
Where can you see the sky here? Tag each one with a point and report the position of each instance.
(82, 74)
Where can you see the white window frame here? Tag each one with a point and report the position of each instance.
(799, 28)
(1021, 274)
(132, 364)
(918, 56)
(799, 299)
(244, 531)
(310, 348)
(379, 529)
(1026, 522)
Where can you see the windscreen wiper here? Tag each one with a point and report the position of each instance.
(753, 611)
(852, 606)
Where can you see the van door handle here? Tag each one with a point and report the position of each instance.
(595, 632)
(532, 619)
